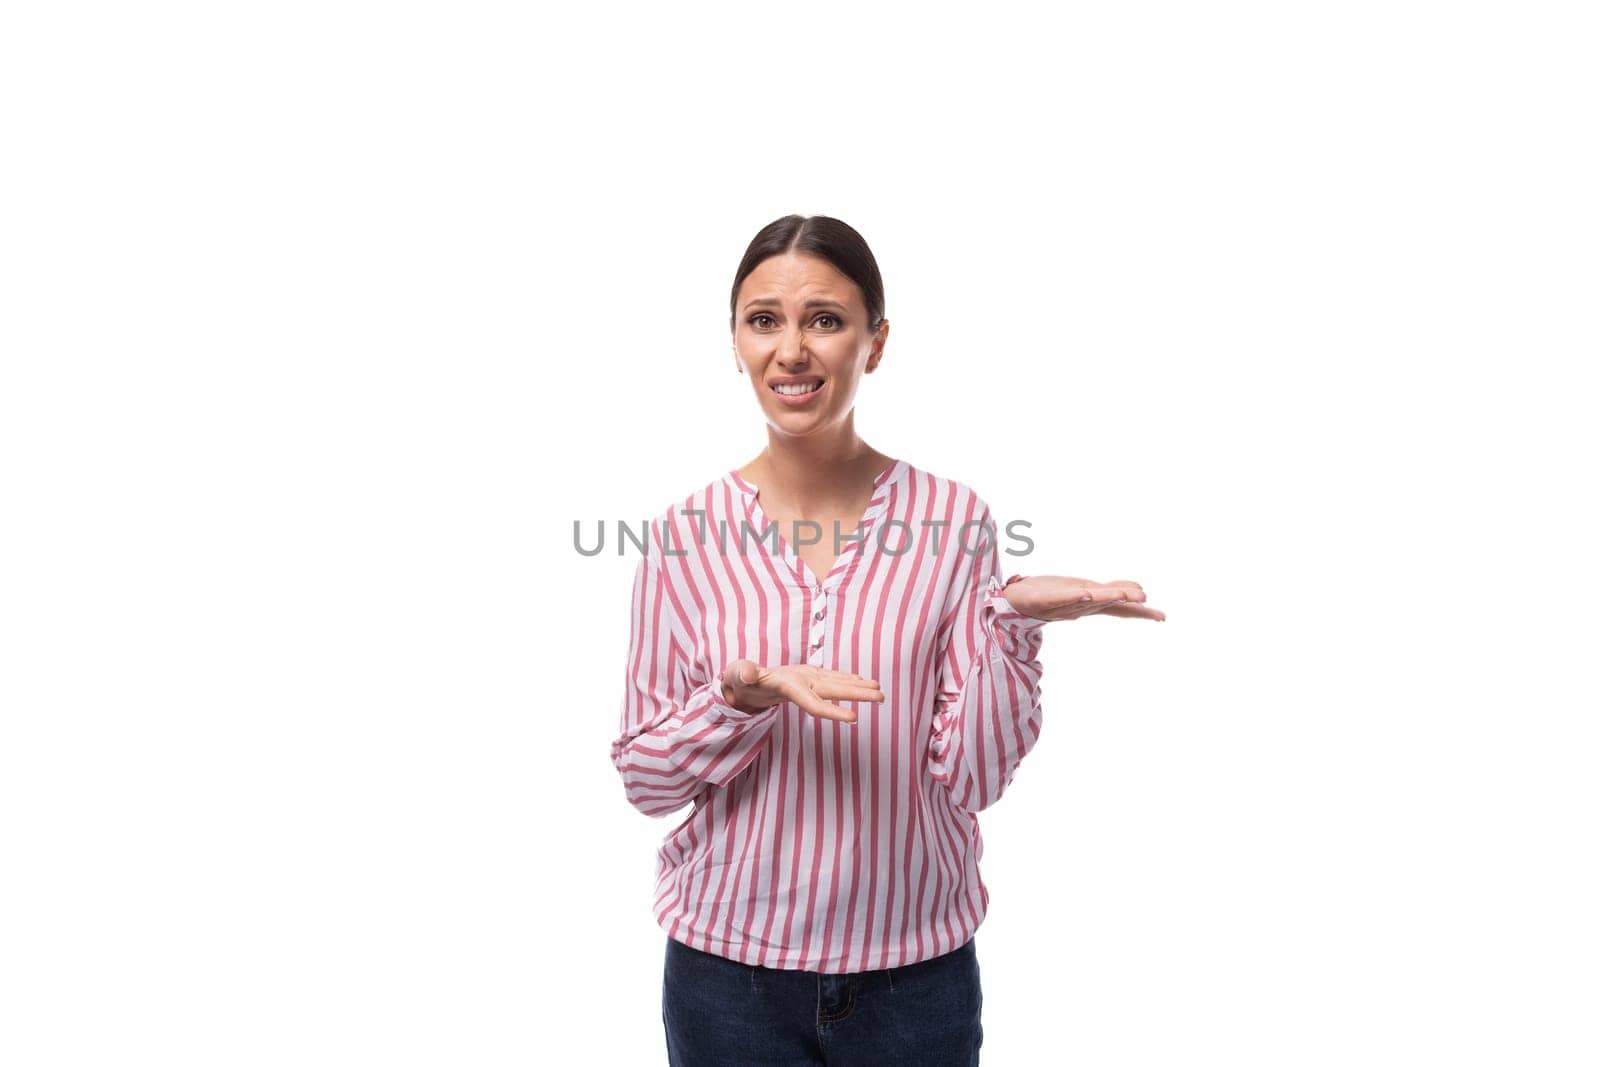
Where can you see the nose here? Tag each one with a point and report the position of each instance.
(792, 347)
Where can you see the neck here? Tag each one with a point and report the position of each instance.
(817, 471)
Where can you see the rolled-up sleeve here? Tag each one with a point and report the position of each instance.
(676, 738)
(988, 714)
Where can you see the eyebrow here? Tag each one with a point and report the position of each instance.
(767, 301)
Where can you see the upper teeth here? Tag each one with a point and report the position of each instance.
(798, 389)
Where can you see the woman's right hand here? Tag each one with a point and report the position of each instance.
(750, 687)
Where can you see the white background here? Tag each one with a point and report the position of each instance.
(322, 323)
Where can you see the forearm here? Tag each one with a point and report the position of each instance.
(705, 742)
(982, 733)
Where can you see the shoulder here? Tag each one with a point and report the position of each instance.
(947, 496)
(690, 520)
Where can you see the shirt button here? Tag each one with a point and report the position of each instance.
(819, 613)
(817, 643)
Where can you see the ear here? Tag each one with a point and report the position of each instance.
(876, 356)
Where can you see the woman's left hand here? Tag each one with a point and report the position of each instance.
(1052, 597)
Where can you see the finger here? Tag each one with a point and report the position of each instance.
(845, 676)
(1133, 611)
(824, 710)
(1075, 609)
(1104, 593)
(865, 686)
(1134, 590)
(847, 691)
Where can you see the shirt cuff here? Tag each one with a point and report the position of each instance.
(710, 699)
(999, 612)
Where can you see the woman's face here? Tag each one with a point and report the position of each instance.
(801, 324)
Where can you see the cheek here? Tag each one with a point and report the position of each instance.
(848, 366)
(838, 354)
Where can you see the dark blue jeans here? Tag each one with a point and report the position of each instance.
(720, 1012)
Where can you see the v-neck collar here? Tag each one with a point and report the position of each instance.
(882, 491)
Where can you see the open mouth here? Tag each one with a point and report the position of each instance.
(798, 388)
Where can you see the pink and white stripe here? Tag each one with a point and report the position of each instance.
(812, 844)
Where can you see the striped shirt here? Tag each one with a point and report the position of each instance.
(813, 844)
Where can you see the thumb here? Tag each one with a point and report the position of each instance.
(744, 672)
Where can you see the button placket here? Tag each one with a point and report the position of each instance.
(818, 627)
(819, 614)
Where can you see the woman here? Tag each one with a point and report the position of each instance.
(825, 661)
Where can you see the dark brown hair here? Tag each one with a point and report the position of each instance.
(823, 237)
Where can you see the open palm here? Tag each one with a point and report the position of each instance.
(1052, 597)
(748, 686)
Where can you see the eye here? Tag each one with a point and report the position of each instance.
(755, 320)
(832, 318)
